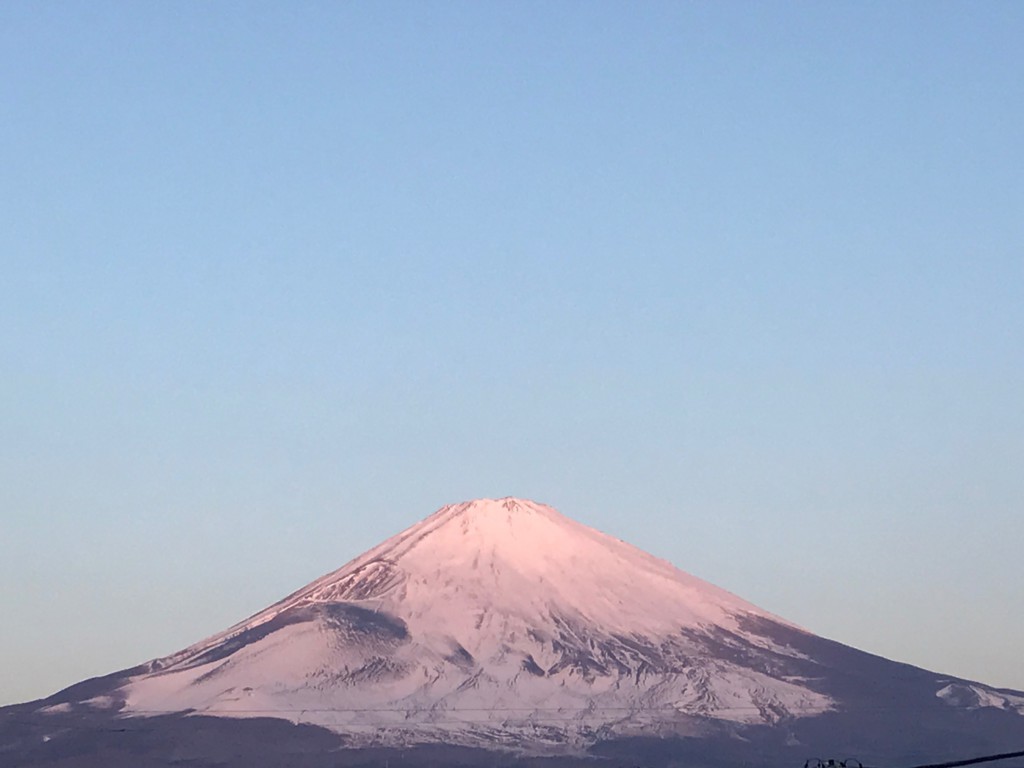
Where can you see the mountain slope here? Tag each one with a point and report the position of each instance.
(504, 625)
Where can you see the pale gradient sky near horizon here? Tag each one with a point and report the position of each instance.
(741, 284)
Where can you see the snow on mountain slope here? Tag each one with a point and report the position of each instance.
(516, 558)
(487, 618)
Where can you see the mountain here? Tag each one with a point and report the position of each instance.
(503, 628)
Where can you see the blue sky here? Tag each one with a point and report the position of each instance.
(741, 284)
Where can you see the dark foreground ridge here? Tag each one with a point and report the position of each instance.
(91, 739)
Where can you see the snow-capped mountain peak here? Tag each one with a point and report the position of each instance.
(486, 607)
(519, 558)
(503, 624)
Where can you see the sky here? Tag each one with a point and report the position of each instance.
(741, 284)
